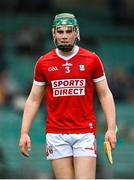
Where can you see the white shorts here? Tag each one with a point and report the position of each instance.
(65, 145)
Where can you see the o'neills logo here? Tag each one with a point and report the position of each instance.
(68, 87)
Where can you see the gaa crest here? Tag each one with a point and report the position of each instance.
(82, 67)
(50, 149)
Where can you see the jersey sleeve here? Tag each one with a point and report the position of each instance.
(38, 75)
(98, 73)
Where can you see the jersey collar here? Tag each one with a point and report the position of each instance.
(67, 57)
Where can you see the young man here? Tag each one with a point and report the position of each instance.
(69, 74)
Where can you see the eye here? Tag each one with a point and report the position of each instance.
(69, 31)
(59, 32)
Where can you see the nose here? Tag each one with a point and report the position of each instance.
(64, 35)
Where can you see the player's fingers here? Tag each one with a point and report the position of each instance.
(29, 145)
(106, 138)
(113, 144)
(112, 141)
(23, 150)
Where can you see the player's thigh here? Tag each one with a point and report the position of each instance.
(85, 167)
(63, 168)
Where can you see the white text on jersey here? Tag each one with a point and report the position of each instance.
(53, 68)
(68, 87)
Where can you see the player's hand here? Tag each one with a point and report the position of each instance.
(25, 144)
(111, 137)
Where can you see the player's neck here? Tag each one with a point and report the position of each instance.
(67, 53)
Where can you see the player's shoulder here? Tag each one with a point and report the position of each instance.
(47, 56)
(86, 52)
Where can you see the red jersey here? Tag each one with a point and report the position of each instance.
(69, 85)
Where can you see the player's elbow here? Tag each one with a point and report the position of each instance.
(106, 94)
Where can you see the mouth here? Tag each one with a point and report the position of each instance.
(64, 42)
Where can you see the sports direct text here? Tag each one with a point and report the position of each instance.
(68, 87)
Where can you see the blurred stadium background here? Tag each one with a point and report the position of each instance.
(107, 27)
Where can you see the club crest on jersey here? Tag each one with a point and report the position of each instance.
(82, 67)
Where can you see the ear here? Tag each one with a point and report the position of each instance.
(78, 34)
(53, 33)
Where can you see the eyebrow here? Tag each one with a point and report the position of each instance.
(69, 28)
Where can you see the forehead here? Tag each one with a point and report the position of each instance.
(64, 28)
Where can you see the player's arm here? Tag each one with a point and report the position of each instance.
(30, 110)
(108, 106)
